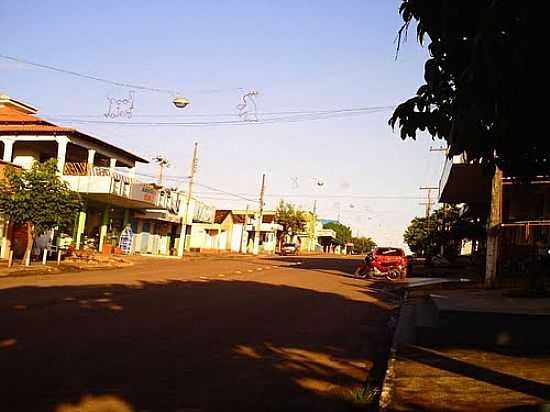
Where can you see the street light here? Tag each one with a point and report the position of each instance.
(180, 102)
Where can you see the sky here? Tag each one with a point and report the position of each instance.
(298, 56)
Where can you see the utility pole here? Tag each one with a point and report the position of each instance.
(245, 221)
(183, 234)
(256, 248)
(313, 229)
(429, 202)
(493, 235)
(163, 163)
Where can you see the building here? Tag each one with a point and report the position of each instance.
(516, 213)
(104, 175)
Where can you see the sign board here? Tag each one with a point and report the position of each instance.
(143, 192)
(203, 212)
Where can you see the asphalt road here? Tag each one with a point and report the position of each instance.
(216, 334)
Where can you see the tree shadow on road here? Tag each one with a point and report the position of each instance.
(185, 346)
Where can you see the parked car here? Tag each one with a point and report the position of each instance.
(391, 256)
(289, 249)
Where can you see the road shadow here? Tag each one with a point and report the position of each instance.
(331, 265)
(186, 346)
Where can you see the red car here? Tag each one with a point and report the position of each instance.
(390, 256)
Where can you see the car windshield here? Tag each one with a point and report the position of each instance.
(386, 251)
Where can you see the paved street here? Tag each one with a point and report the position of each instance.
(216, 334)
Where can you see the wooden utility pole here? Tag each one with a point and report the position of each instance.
(183, 233)
(163, 163)
(429, 202)
(256, 249)
(245, 221)
(495, 220)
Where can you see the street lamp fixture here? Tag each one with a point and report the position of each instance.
(180, 102)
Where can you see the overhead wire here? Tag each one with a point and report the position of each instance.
(306, 116)
(105, 80)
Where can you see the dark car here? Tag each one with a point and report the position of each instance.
(289, 249)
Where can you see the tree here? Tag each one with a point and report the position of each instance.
(363, 245)
(37, 198)
(343, 232)
(292, 219)
(417, 237)
(478, 81)
(426, 235)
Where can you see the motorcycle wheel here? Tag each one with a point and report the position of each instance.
(361, 272)
(393, 274)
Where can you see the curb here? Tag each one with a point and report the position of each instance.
(388, 383)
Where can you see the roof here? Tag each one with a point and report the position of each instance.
(220, 215)
(17, 117)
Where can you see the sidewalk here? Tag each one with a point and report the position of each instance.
(469, 350)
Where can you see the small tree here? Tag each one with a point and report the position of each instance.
(37, 198)
(290, 218)
(363, 245)
(343, 232)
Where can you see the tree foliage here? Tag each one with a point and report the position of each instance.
(425, 236)
(37, 198)
(478, 82)
(288, 216)
(363, 244)
(343, 232)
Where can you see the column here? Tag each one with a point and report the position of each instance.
(132, 172)
(112, 164)
(90, 162)
(80, 227)
(61, 152)
(104, 227)
(493, 229)
(8, 147)
(126, 218)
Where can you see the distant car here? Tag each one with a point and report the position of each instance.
(289, 249)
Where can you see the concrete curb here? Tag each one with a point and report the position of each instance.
(389, 378)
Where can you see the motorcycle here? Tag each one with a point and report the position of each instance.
(375, 269)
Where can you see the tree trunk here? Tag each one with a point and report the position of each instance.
(30, 240)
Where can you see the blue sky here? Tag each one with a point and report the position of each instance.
(300, 56)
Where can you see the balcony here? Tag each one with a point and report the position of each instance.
(463, 182)
(106, 185)
(265, 227)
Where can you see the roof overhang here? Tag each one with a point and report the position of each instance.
(465, 183)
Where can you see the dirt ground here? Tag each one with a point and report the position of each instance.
(217, 334)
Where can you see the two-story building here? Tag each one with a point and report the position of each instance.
(104, 175)
(516, 212)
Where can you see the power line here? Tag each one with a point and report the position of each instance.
(104, 80)
(315, 196)
(179, 115)
(311, 116)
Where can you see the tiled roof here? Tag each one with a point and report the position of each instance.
(221, 215)
(17, 122)
(35, 128)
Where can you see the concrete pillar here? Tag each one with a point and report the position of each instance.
(62, 142)
(80, 227)
(132, 172)
(112, 164)
(126, 218)
(104, 227)
(493, 229)
(90, 162)
(8, 147)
